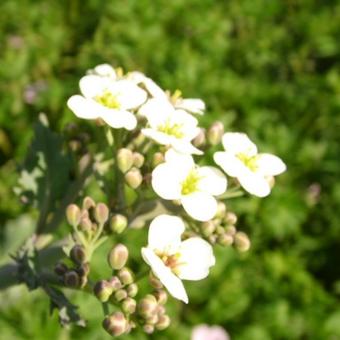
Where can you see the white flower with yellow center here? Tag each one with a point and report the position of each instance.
(173, 260)
(179, 178)
(171, 127)
(108, 97)
(253, 170)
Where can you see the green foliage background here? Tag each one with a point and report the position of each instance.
(270, 68)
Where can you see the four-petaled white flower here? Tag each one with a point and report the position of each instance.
(172, 259)
(171, 127)
(195, 187)
(106, 96)
(253, 170)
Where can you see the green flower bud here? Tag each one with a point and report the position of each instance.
(212, 239)
(84, 269)
(83, 281)
(160, 310)
(225, 239)
(154, 281)
(138, 159)
(147, 306)
(230, 218)
(125, 275)
(103, 290)
(129, 305)
(101, 213)
(200, 139)
(60, 268)
(161, 296)
(73, 215)
(120, 294)
(88, 203)
(115, 283)
(163, 322)
(78, 254)
(215, 133)
(115, 324)
(71, 279)
(221, 210)
(118, 223)
(86, 224)
(148, 329)
(124, 160)
(157, 159)
(230, 229)
(242, 241)
(134, 178)
(139, 140)
(208, 228)
(118, 256)
(132, 289)
(152, 320)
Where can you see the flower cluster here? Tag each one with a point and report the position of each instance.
(158, 159)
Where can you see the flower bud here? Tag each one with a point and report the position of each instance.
(219, 230)
(88, 203)
(71, 279)
(78, 254)
(161, 296)
(161, 310)
(221, 210)
(73, 215)
(157, 159)
(208, 228)
(132, 289)
(118, 256)
(200, 139)
(86, 224)
(215, 133)
(115, 324)
(101, 213)
(230, 218)
(225, 239)
(147, 306)
(103, 290)
(139, 140)
(115, 283)
(242, 241)
(84, 269)
(153, 319)
(118, 223)
(124, 160)
(230, 229)
(163, 322)
(129, 305)
(138, 159)
(148, 329)
(154, 281)
(212, 239)
(134, 178)
(125, 276)
(60, 268)
(120, 294)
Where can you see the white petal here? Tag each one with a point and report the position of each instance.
(155, 110)
(236, 142)
(270, 165)
(197, 257)
(93, 85)
(105, 70)
(84, 108)
(166, 181)
(230, 164)
(154, 90)
(171, 282)
(129, 95)
(200, 205)
(119, 119)
(183, 162)
(165, 233)
(193, 105)
(157, 136)
(212, 180)
(185, 147)
(255, 184)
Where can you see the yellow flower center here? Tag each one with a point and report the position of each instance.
(171, 261)
(108, 99)
(249, 161)
(171, 129)
(190, 184)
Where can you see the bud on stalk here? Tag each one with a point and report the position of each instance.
(118, 256)
(124, 160)
(134, 178)
(118, 223)
(73, 215)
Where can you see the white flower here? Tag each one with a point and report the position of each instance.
(172, 260)
(253, 170)
(192, 105)
(195, 187)
(108, 97)
(171, 127)
(205, 332)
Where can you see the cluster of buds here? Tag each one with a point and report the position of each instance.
(222, 230)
